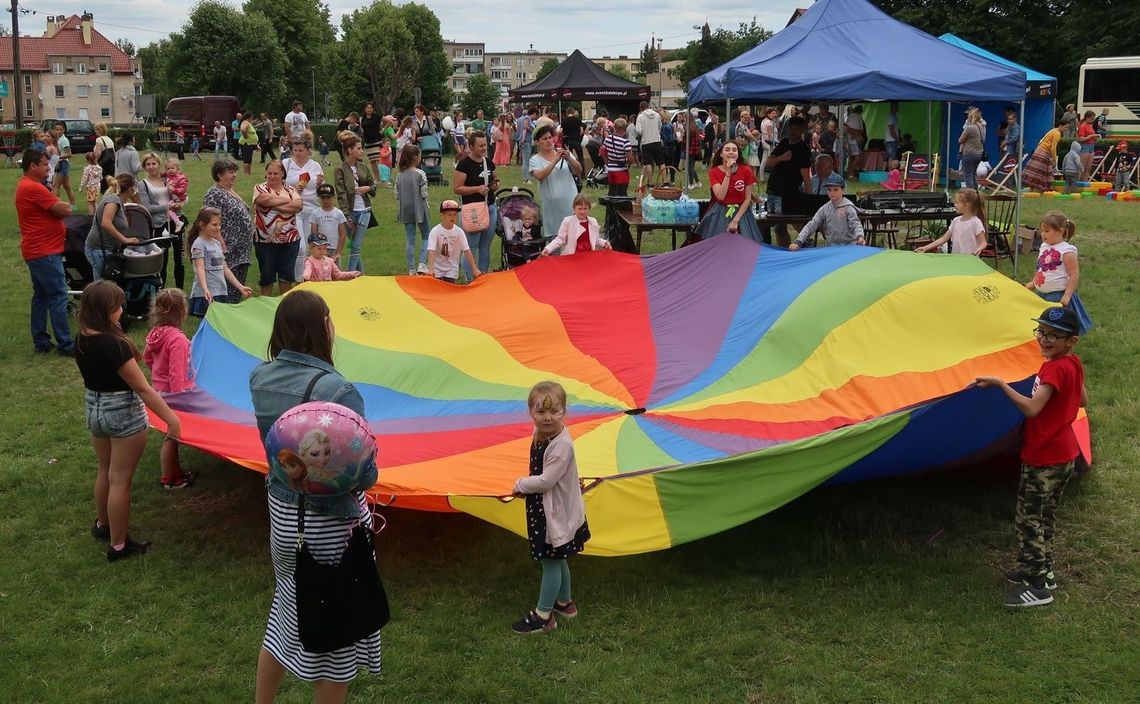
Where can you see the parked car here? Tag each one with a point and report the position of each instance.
(81, 133)
(196, 114)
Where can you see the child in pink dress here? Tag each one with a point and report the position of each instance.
(167, 353)
(319, 266)
(894, 180)
(178, 184)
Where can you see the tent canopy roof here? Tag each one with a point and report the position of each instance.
(1030, 75)
(849, 50)
(578, 78)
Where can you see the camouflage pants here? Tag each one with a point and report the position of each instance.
(1038, 496)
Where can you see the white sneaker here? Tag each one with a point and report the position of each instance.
(422, 269)
(411, 272)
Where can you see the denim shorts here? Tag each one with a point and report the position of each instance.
(114, 414)
(277, 262)
(1088, 148)
(64, 167)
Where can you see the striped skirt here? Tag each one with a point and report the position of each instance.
(1039, 171)
(326, 537)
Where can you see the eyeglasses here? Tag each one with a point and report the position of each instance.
(1049, 337)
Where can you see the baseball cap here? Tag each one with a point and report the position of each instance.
(449, 205)
(318, 238)
(325, 190)
(1060, 318)
(834, 179)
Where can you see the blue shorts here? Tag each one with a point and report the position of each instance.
(114, 414)
(64, 168)
(1087, 148)
(277, 262)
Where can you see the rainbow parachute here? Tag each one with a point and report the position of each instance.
(707, 386)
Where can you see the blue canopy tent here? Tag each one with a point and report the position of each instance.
(1040, 102)
(844, 51)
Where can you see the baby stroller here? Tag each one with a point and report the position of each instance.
(517, 251)
(76, 268)
(137, 269)
(597, 175)
(431, 158)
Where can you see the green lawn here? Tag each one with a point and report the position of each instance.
(886, 591)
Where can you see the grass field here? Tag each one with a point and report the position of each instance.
(886, 591)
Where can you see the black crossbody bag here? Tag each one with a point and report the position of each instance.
(337, 604)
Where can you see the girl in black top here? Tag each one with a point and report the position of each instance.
(116, 419)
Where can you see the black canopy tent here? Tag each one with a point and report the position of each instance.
(578, 78)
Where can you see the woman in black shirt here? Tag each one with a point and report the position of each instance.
(371, 126)
(116, 419)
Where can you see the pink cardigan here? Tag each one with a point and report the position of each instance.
(568, 231)
(561, 493)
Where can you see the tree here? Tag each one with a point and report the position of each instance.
(620, 71)
(715, 48)
(434, 66)
(126, 46)
(1013, 29)
(221, 51)
(305, 34)
(154, 57)
(374, 59)
(648, 63)
(481, 95)
(547, 66)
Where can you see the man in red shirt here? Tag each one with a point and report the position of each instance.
(42, 232)
(1048, 451)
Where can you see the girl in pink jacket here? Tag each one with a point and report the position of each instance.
(578, 232)
(167, 353)
(555, 513)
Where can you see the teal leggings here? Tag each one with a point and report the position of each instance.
(555, 583)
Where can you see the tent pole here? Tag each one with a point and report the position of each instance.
(929, 134)
(1016, 244)
(947, 189)
(841, 138)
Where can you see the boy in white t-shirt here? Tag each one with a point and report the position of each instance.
(445, 242)
(329, 221)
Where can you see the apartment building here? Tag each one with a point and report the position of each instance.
(506, 69)
(71, 71)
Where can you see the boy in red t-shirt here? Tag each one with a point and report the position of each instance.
(1048, 451)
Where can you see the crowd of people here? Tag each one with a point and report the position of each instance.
(792, 151)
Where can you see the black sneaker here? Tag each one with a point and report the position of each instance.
(69, 352)
(99, 532)
(44, 350)
(1028, 595)
(130, 549)
(1019, 577)
(533, 623)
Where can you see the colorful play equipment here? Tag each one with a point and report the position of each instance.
(707, 386)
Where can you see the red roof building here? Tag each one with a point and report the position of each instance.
(71, 71)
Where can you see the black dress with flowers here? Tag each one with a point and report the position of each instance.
(536, 518)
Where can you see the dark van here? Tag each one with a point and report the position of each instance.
(81, 133)
(197, 114)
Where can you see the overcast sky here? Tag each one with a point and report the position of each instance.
(501, 25)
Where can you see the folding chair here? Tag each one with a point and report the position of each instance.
(1004, 178)
(918, 170)
(999, 226)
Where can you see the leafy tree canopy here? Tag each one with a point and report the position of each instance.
(481, 94)
(221, 51)
(715, 48)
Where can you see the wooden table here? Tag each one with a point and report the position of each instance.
(639, 225)
(874, 221)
